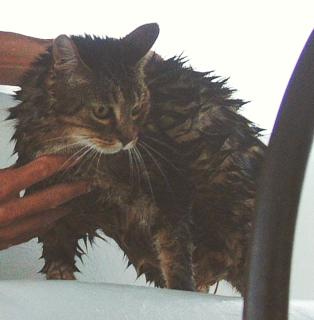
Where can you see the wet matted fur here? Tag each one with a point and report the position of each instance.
(173, 163)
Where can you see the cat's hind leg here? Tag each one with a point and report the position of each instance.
(237, 277)
(209, 266)
(174, 246)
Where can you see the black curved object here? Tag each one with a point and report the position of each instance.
(278, 196)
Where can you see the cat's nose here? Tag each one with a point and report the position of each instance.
(126, 139)
(127, 135)
(130, 145)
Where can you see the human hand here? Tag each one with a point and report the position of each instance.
(17, 52)
(22, 219)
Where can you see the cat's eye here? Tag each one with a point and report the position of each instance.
(136, 110)
(101, 111)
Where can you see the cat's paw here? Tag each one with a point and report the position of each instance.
(60, 271)
(186, 284)
(202, 288)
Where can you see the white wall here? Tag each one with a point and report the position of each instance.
(255, 42)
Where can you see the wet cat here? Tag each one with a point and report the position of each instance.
(173, 163)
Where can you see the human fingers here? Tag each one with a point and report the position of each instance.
(17, 179)
(40, 201)
(29, 227)
(17, 52)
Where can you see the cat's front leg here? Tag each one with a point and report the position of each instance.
(174, 247)
(59, 251)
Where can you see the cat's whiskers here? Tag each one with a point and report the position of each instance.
(158, 165)
(68, 161)
(161, 156)
(97, 151)
(145, 171)
(83, 158)
(62, 139)
(65, 147)
(64, 166)
(98, 160)
(79, 143)
(93, 158)
(70, 137)
(131, 168)
(162, 143)
(137, 167)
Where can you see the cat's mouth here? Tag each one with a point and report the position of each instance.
(104, 147)
(111, 148)
(130, 145)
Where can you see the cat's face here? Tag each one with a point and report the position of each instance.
(104, 110)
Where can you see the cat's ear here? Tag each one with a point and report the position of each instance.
(66, 57)
(140, 41)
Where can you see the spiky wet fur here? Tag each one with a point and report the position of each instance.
(183, 213)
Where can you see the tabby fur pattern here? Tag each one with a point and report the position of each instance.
(173, 163)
